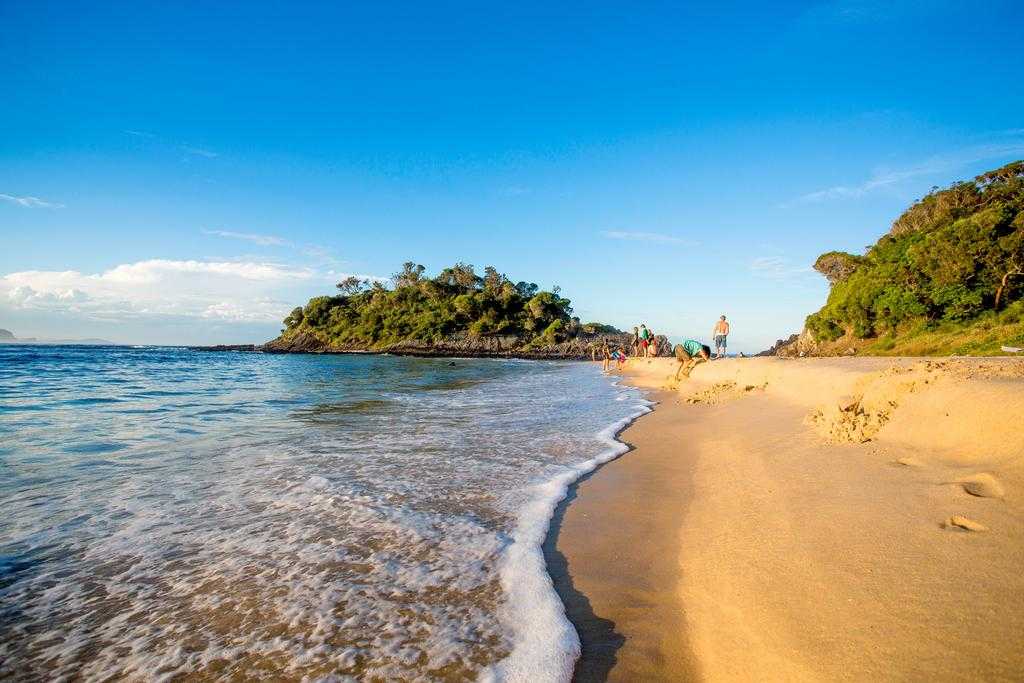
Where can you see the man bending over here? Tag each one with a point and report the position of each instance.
(689, 353)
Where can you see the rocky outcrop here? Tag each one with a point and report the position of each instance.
(582, 347)
(225, 347)
(778, 345)
(796, 346)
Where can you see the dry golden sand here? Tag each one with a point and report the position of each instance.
(811, 519)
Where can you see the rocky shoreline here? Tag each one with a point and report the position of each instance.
(454, 346)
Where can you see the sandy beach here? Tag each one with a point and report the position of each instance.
(810, 519)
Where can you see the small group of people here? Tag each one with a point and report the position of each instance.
(608, 354)
(689, 353)
(645, 342)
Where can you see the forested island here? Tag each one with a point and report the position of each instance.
(456, 312)
(947, 278)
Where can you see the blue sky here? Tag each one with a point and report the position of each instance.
(187, 173)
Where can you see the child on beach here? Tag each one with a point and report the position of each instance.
(689, 353)
(620, 358)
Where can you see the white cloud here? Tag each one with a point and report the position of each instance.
(30, 202)
(776, 268)
(884, 178)
(25, 296)
(257, 311)
(647, 237)
(262, 240)
(232, 291)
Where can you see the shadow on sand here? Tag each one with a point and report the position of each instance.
(598, 638)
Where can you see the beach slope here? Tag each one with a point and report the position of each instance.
(824, 518)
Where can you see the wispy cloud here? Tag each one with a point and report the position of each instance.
(655, 237)
(885, 178)
(875, 182)
(199, 151)
(30, 202)
(193, 150)
(323, 257)
(777, 268)
(262, 240)
(846, 12)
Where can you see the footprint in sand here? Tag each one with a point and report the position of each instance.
(908, 462)
(983, 485)
(961, 522)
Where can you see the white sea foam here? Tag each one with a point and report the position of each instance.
(545, 645)
(289, 517)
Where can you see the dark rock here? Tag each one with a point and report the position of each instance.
(582, 347)
(779, 345)
(225, 347)
(797, 346)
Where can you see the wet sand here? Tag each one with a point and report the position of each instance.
(828, 519)
(614, 560)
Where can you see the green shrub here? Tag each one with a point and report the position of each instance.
(1012, 314)
(947, 258)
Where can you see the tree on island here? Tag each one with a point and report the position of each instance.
(457, 300)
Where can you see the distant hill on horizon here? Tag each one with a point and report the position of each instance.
(8, 337)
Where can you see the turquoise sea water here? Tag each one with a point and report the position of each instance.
(170, 513)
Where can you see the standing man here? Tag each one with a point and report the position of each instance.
(720, 333)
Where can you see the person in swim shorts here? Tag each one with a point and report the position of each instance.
(720, 333)
(689, 353)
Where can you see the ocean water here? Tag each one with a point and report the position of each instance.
(174, 514)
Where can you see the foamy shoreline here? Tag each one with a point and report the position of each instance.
(547, 645)
(820, 527)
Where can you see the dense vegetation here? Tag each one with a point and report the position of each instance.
(953, 261)
(370, 315)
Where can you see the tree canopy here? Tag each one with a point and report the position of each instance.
(371, 315)
(954, 255)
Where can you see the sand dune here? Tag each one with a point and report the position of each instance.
(850, 519)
